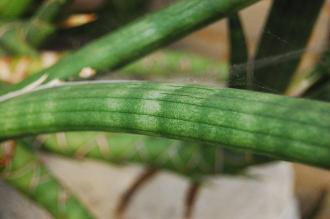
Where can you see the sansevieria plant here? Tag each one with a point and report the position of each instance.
(191, 129)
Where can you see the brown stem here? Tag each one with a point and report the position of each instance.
(9, 150)
(128, 195)
(191, 197)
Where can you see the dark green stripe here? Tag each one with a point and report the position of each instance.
(286, 33)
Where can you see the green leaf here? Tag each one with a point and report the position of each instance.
(238, 54)
(285, 128)
(285, 36)
(29, 175)
(191, 159)
(140, 38)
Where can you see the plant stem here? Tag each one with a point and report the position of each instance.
(13, 39)
(141, 37)
(29, 175)
(190, 159)
(49, 10)
(164, 64)
(167, 63)
(46, 14)
(285, 128)
(11, 9)
(21, 38)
